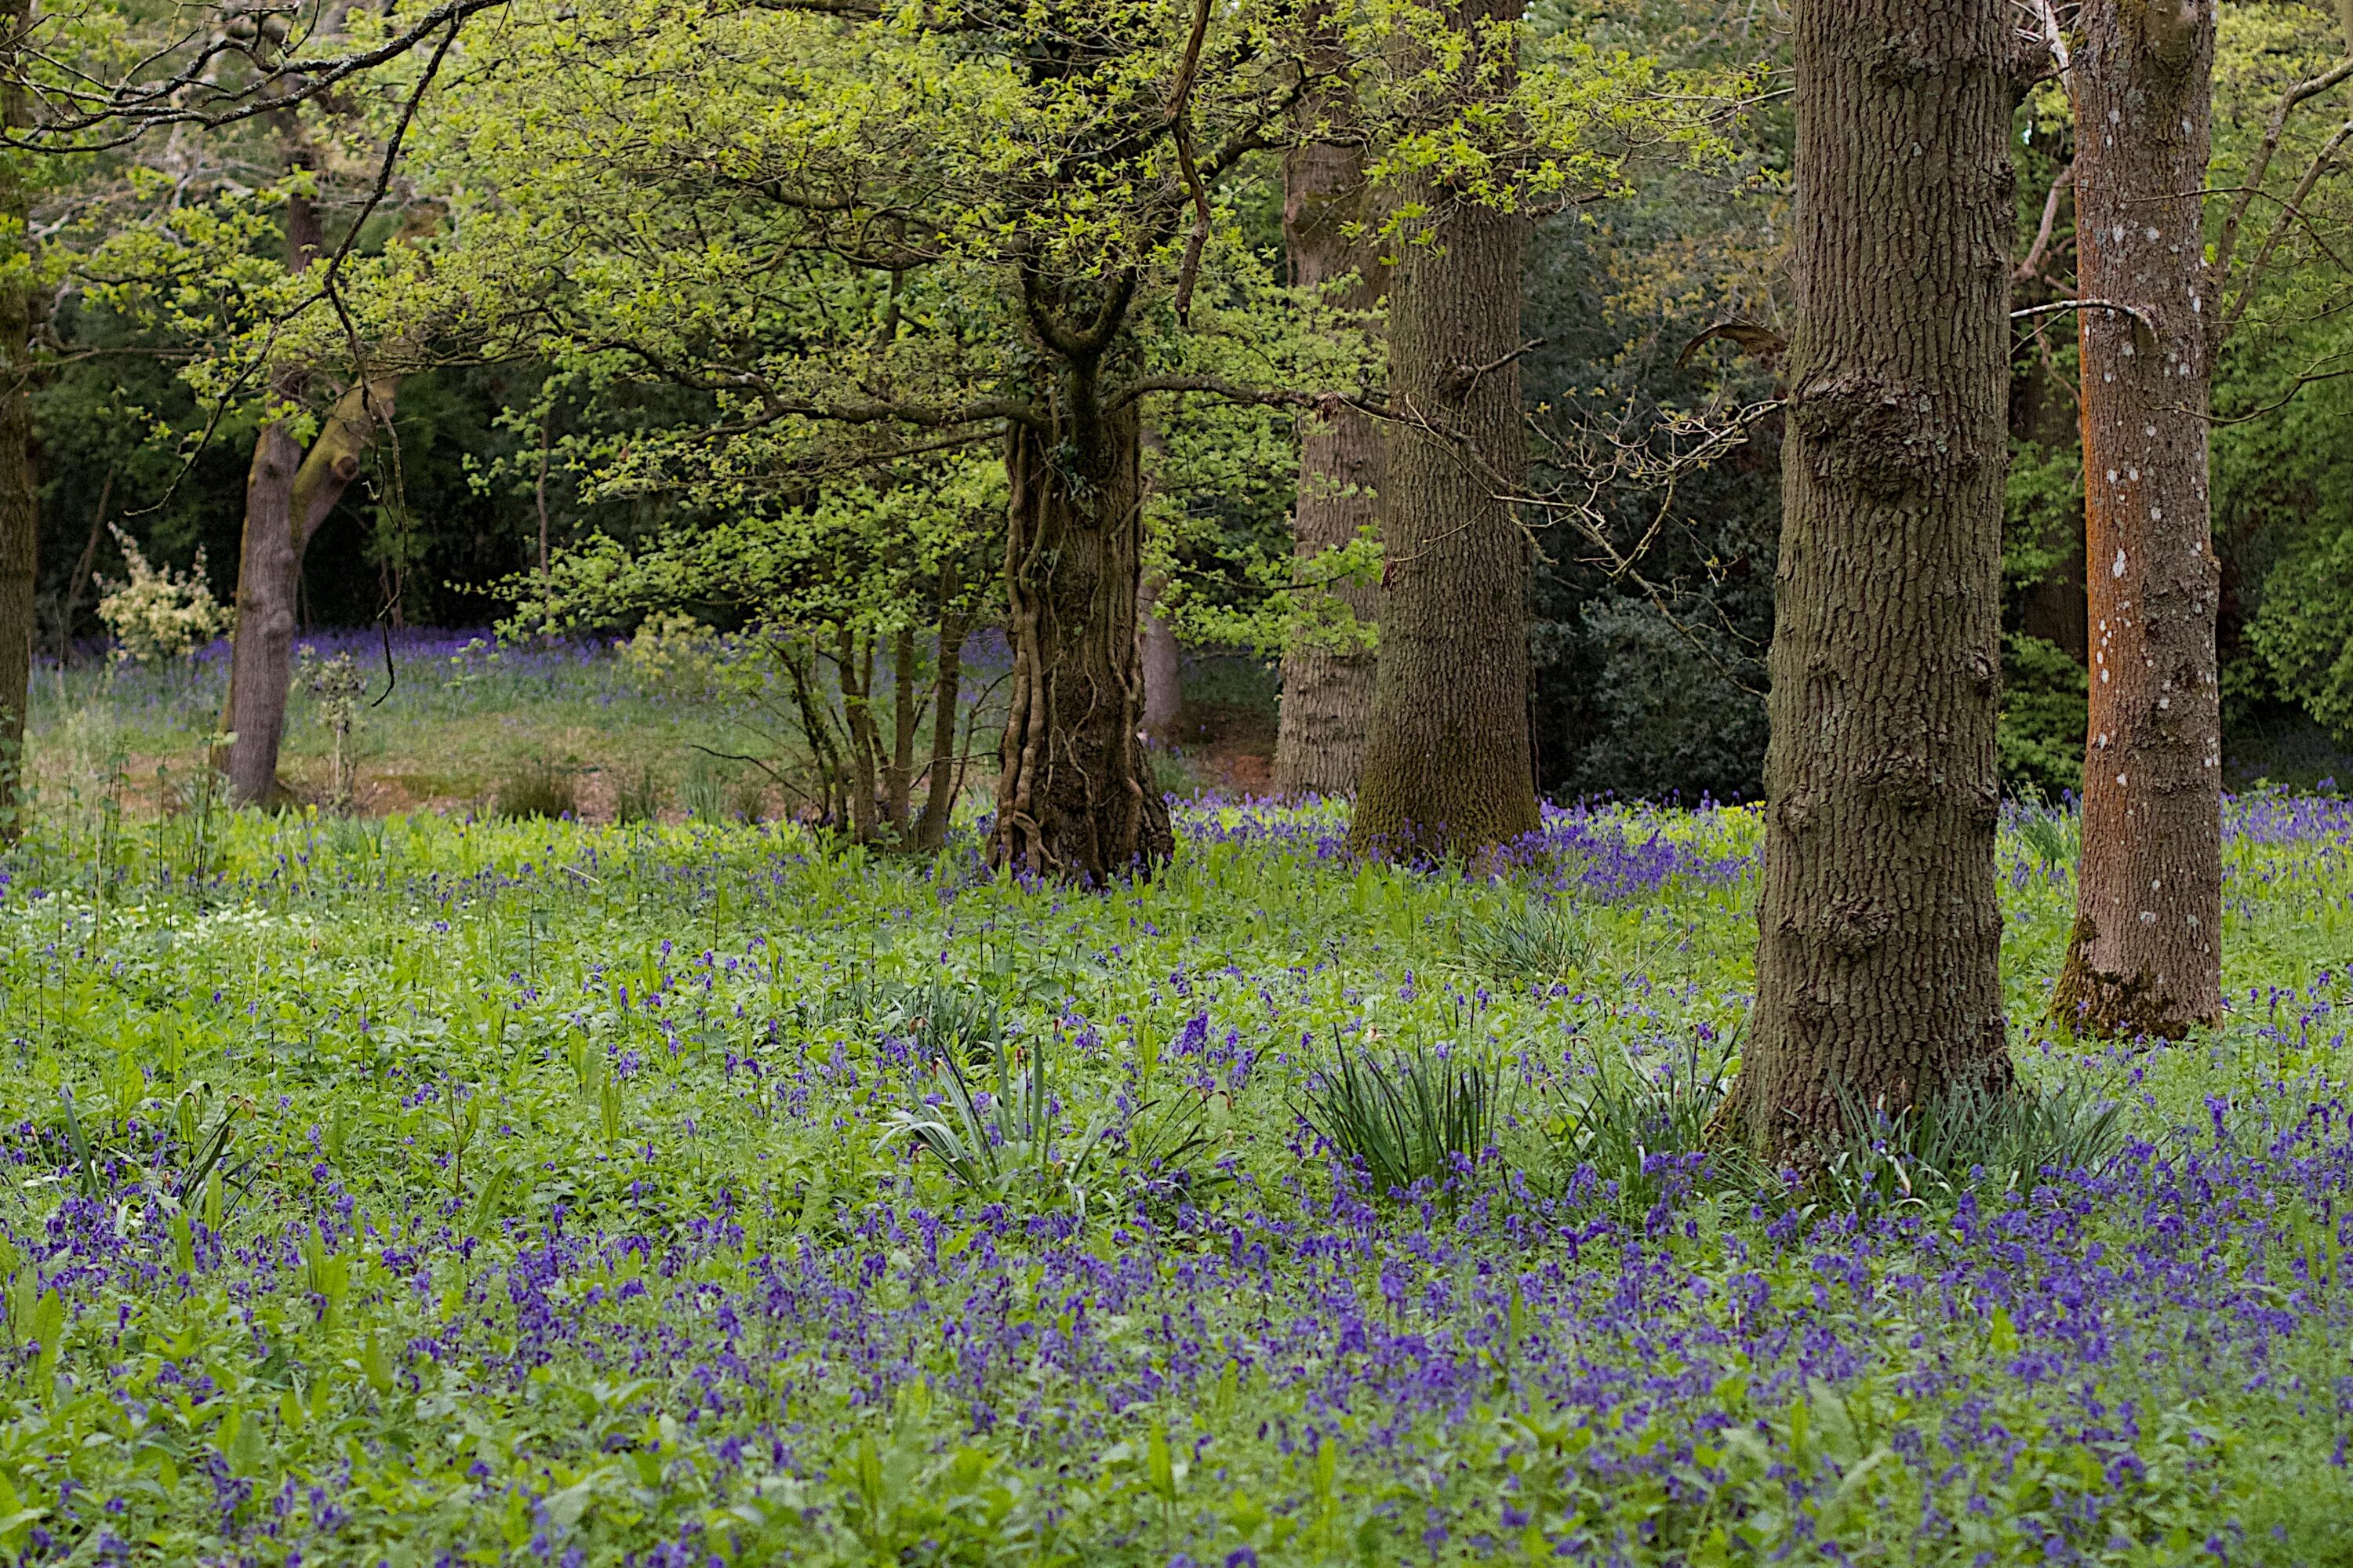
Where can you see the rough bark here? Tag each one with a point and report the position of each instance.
(1446, 767)
(2145, 955)
(287, 496)
(1327, 693)
(20, 520)
(1076, 798)
(1878, 933)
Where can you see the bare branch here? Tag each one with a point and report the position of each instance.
(108, 116)
(2226, 245)
(2032, 264)
(2291, 212)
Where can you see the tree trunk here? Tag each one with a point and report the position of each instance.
(2145, 957)
(1076, 798)
(20, 514)
(287, 496)
(946, 768)
(81, 573)
(899, 779)
(1327, 692)
(1446, 767)
(1163, 666)
(853, 663)
(1878, 935)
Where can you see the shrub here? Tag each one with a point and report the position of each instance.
(747, 797)
(2051, 836)
(160, 615)
(1418, 1117)
(678, 657)
(1007, 1144)
(336, 684)
(947, 1021)
(706, 791)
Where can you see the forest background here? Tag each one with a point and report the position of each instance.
(155, 261)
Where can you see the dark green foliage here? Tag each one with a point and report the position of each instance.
(2044, 708)
(1636, 691)
(96, 417)
(1418, 1117)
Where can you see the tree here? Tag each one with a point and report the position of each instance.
(20, 519)
(288, 494)
(1878, 933)
(2145, 955)
(996, 228)
(232, 67)
(1327, 229)
(1447, 767)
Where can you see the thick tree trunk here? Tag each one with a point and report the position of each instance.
(2146, 954)
(1878, 935)
(1446, 767)
(287, 496)
(20, 516)
(1076, 798)
(1327, 692)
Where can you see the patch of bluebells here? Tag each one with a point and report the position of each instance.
(1652, 1360)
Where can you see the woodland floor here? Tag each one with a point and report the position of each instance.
(436, 1188)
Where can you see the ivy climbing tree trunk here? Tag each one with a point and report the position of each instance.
(2145, 955)
(1327, 690)
(20, 511)
(1447, 766)
(288, 494)
(1878, 935)
(1076, 798)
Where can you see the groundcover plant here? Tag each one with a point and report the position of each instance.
(419, 1190)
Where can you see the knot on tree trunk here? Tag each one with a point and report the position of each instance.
(2171, 29)
(1857, 925)
(1888, 440)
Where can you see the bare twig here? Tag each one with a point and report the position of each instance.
(2135, 311)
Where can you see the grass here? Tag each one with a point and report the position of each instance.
(420, 1189)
